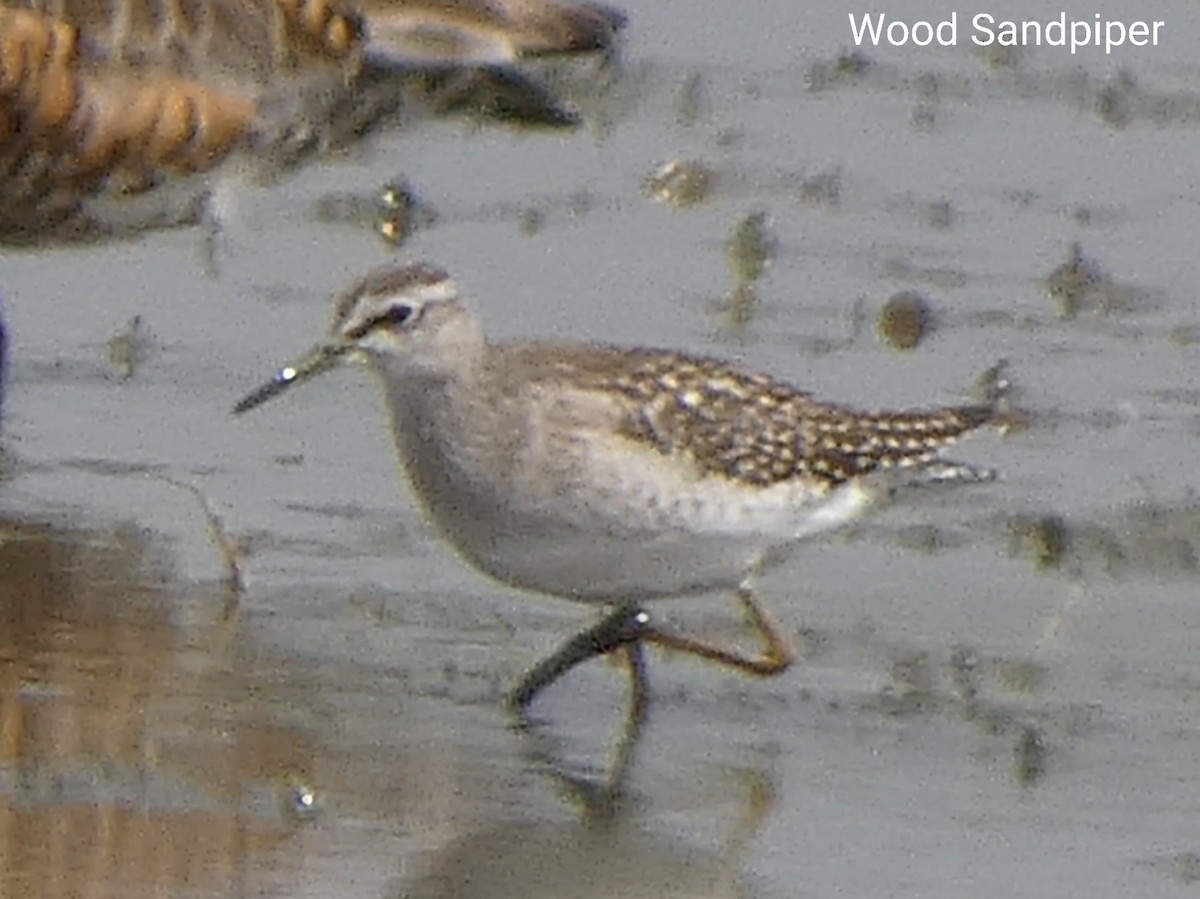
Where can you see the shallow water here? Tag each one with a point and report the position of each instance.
(981, 705)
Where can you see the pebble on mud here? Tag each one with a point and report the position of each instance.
(749, 248)
(681, 183)
(1044, 538)
(1117, 101)
(393, 212)
(401, 213)
(846, 68)
(126, 349)
(1079, 285)
(740, 304)
(904, 320)
(1029, 757)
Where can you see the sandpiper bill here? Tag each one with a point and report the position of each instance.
(613, 475)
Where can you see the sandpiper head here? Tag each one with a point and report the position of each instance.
(406, 313)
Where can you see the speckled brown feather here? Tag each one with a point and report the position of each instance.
(104, 100)
(738, 424)
(67, 132)
(253, 40)
(756, 429)
(107, 110)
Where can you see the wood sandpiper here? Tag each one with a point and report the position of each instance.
(616, 476)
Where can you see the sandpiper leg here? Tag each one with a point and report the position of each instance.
(777, 652)
(620, 627)
(635, 659)
(627, 626)
(601, 800)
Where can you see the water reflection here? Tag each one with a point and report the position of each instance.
(609, 856)
(3, 352)
(150, 746)
(119, 773)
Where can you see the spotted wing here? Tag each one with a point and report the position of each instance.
(752, 428)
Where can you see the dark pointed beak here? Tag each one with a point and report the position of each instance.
(320, 359)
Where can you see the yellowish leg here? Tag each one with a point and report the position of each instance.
(776, 656)
(616, 632)
(635, 720)
(601, 801)
(627, 625)
(625, 629)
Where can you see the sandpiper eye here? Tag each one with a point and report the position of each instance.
(398, 315)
